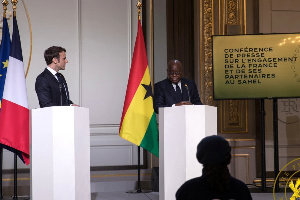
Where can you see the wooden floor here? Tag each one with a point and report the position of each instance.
(155, 196)
(113, 185)
(124, 195)
(150, 196)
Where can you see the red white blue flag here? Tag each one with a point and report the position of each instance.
(14, 115)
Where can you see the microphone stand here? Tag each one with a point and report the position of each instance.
(60, 86)
(187, 88)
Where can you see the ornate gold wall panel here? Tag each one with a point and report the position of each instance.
(231, 20)
(234, 116)
(232, 17)
(206, 30)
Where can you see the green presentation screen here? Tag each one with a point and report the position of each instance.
(256, 66)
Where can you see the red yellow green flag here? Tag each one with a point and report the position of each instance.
(138, 123)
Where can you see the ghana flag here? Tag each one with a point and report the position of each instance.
(138, 122)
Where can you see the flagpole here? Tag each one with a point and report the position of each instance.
(1, 160)
(139, 190)
(15, 177)
(4, 3)
(14, 3)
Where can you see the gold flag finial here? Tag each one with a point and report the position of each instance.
(4, 3)
(14, 3)
(139, 7)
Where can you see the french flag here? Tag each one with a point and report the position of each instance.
(14, 115)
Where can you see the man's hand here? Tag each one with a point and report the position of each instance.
(183, 103)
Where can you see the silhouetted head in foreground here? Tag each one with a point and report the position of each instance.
(214, 153)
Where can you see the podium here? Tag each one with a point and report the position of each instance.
(180, 130)
(60, 153)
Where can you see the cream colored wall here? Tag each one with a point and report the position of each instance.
(99, 36)
(277, 16)
(160, 40)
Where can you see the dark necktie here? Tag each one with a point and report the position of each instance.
(178, 93)
(63, 89)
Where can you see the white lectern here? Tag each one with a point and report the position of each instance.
(180, 130)
(60, 153)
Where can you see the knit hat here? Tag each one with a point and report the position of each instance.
(213, 150)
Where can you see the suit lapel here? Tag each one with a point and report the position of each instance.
(51, 76)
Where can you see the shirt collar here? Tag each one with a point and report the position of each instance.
(51, 70)
(174, 85)
(179, 84)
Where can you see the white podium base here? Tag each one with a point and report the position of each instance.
(180, 130)
(60, 153)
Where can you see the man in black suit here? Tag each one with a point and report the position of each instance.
(175, 90)
(51, 86)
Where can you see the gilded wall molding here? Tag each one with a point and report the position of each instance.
(232, 15)
(231, 20)
(9, 15)
(234, 116)
(234, 113)
(232, 12)
(207, 30)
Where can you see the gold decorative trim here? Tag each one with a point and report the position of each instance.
(207, 30)
(30, 30)
(234, 116)
(240, 140)
(117, 175)
(4, 3)
(12, 179)
(243, 147)
(258, 180)
(232, 20)
(245, 18)
(14, 3)
(139, 7)
(232, 17)
(232, 14)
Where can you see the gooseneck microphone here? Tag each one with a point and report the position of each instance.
(187, 88)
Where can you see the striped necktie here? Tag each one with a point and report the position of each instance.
(178, 93)
(63, 88)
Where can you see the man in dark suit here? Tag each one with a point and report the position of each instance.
(51, 86)
(175, 90)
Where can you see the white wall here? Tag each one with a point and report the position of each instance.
(99, 37)
(160, 40)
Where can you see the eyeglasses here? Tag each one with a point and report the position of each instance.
(173, 73)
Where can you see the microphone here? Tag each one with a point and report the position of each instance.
(187, 88)
(60, 86)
